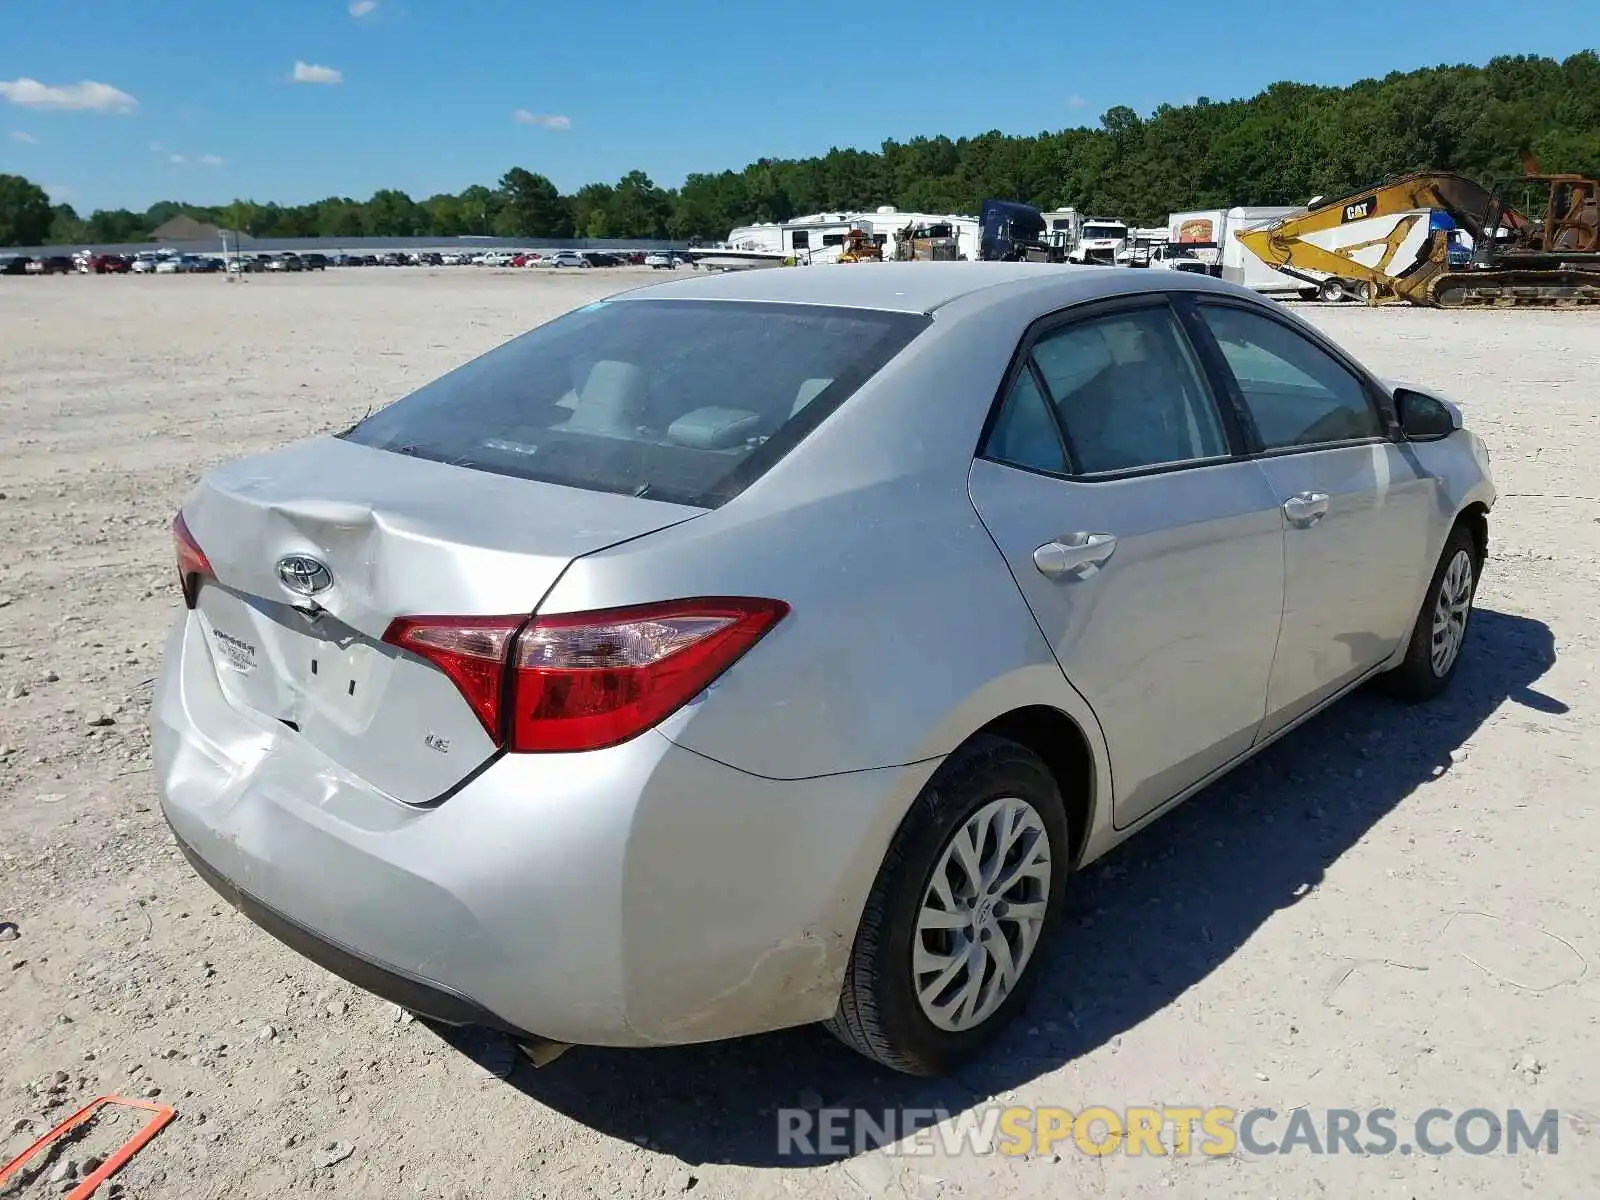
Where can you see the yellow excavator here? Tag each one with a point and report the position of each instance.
(1389, 243)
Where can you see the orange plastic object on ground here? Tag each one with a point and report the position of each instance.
(113, 1163)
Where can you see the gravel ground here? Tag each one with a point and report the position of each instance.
(1394, 907)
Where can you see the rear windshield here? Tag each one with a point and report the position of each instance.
(687, 401)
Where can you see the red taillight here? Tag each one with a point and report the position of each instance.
(192, 562)
(470, 650)
(588, 680)
(584, 681)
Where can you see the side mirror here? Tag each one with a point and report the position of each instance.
(1425, 418)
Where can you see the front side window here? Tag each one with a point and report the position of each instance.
(679, 400)
(1297, 393)
(1128, 393)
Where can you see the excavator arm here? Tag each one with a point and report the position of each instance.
(1519, 260)
(1292, 244)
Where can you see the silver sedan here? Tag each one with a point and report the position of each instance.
(772, 647)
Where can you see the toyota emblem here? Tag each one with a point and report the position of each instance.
(304, 576)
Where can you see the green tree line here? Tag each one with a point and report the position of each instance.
(1282, 146)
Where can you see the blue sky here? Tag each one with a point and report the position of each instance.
(198, 101)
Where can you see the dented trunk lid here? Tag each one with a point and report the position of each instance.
(397, 536)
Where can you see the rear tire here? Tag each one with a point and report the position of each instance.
(1440, 632)
(942, 960)
(1332, 290)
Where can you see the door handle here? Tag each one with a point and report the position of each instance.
(1305, 509)
(1074, 555)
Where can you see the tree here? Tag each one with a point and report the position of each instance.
(533, 206)
(116, 226)
(25, 213)
(392, 213)
(638, 208)
(479, 206)
(66, 227)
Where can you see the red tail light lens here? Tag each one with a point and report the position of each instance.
(193, 565)
(584, 681)
(589, 680)
(470, 650)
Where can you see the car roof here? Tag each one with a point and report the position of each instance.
(921, 286)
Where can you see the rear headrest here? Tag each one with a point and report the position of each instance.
(714, 428)
(610, 380)
(608, 402)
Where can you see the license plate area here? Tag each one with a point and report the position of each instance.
(306, 672)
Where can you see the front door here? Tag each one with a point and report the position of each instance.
(1151, 557)
(1356, 507)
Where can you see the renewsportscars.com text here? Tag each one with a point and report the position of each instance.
(1167, 1130)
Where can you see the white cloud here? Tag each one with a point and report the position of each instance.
(362, 8)
(87, 96)
(1076, 101)
(188, 160)
(523, 117)
(311, 73)
(27, 139)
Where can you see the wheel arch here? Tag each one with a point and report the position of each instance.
(1475, 518)
(1066, 751)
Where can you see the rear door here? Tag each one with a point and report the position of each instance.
(1357, 505)
(1150, 554)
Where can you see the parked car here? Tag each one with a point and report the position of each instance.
(244, 264)
(14, 264)
(661, 262)
(314, 262)
(108, 264)
(52, 264)
(496, 258)
(429, 258)
(453, 259)
(598, 259)
(394, 258)
(283, 262)
(563, 258)
(1148, 523)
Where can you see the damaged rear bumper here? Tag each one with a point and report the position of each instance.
(640, 895)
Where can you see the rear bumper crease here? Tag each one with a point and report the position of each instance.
(421, 996)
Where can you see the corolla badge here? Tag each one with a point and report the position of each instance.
(304, 576)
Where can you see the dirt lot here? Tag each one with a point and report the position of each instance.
(1395, 907)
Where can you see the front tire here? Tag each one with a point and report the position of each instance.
(1440, 632)
(950, 940)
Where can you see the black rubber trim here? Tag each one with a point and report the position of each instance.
(423, 997)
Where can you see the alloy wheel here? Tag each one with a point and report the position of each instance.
(1450, 612)
(981, 914)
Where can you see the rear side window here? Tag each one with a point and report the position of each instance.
(1126, 391)
(1297, 393)
(1024, 434)
(687, 401)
